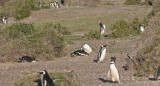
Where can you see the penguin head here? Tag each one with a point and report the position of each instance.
(43, 72)
(113, 59)
(100, 23)
(104, 46)
(141, 25)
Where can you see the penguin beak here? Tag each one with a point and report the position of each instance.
(40, 72)
(105, 45)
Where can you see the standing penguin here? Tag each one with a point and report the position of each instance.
(45, 79)
(4, 20)
(40, 3)
(142, 28)
(102, 27)
(101, 54)
(114, 72)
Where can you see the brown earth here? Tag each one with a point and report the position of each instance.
(88, 72)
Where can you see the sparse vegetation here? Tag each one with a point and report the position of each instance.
(20, 9)
(93, 34)
(132, 2)
(46, 43)
(91, 3)
(35, 80)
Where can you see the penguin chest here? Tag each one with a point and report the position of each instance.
(103, 54)
(142, 29)
(114, 72)
(102, 30)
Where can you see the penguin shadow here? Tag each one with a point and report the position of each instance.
(125, 67)
(105, 35)
(104, 80)
(152, 79)
(38, 81)
(95, 61)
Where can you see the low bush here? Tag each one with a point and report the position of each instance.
(19, 30)
(44, 42)
(93, 35)
(121, 29)
(91, 3)
(132, 2)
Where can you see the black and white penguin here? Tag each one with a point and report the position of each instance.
(40, 3)
(142, 27)
(102, 27)
(114, 72)
(101, 54)
(56, 4)
(4, 20)
(79, 53)
(158, 73)
(130, 63)
(27, 59)
(45, 79)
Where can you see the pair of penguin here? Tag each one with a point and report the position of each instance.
(84, 51)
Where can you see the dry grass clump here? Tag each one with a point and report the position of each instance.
(91, 3)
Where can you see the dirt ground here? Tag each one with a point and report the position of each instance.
(88, 72)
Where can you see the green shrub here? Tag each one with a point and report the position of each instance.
(19, 30)
(132, 2)
(121, 29)
(93, 35)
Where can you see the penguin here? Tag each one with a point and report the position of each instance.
(51, 4)
(114, 72)
(4, 20)
(101, 54)
(142, 27)
(45, 79)
(40, 3)
(56, 4)
(86, 48)
(27, 59)
(158, 73)
(79, 53)
(102, 27)
(130, 62)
